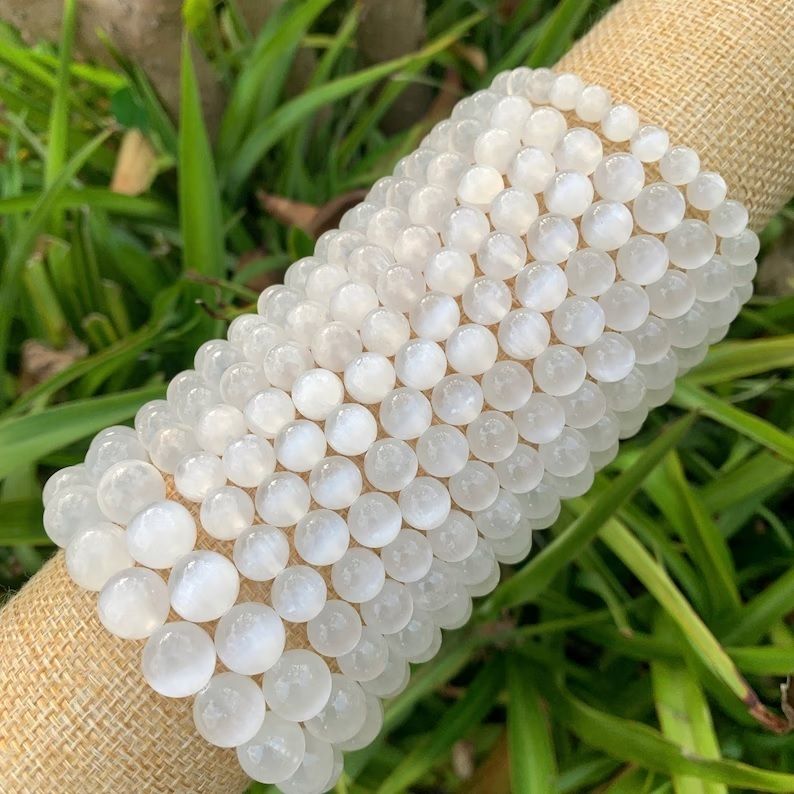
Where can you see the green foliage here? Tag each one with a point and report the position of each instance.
(642, 645)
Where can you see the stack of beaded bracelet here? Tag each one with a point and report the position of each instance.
(400, 415)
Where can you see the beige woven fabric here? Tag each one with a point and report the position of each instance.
(75, 713)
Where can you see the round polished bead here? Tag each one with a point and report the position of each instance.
(471, 349)
(127, 487)
(502, 519)
(510, 113)
(240, 382)
(275, 302)
(457, 399)
(369, 377)
(133, 603)
(392, 681)
(691, 244)
(344, 713)
(552, 238)
(540, 502)
(189, 395)
(478, 185)
(248, 460)
(374, 519)
(541, 286)
(399, 287)
(578, 321)
(368, 659)
(408, 557)
(286, 360)
(603, 434)
(321, 537)
(495, 148)
(298, 685)
(565, 90)
(170, 445)
(95, 554)
(492, 436)
(385, 225)
(412, 248)
(642, 260)
(474, 487)
(568, 193)
(334, 346)
(390, 464)
(429, 205)
(478, 566)
(579, 149)
(606, 225)
(672, 295)
(543, 129)
(323, 280)
(742, 249)
(465, 228)
(282, 499)
(219, 426)
(405, 413)
(73, 508)
(625, 306)
(276, 751)
(626, 394)
(249, 638)
(649, 143)
(436, 588)
(369, 730)
(435, 316)
(367, 262)
(679, 165)
(609, 358)
(659, 207)
(64, 479)
(533, 167)
(507, 385)
(620, 123)
(559, 370)
(521, 471)
(150, 418)
(299, 445)
(691, 328)
(243, 324)
(420, 364)
(714, 280)
(160, 534)
(316, 393)
(306, 318)
(541, 419)
(442, 450)
(619, 177)
(390, 610)
(593, 103)
(743, 275)
(203, 585)
(585, 406)
(661, 373)
(419, 633)
(178, 659)
(336, 630)
(500, 255)
(298, 593)
(729, 218)
(268, 411)
(335, 482)
(567, 455)
(706, 191)
(590, 272)
(350, 429)
(260, 340)
(513, 210)
(650, 341)
(424, 503)
(358, 576)
(110, 446)
(455, 539)
(226, 512)
(229, 710)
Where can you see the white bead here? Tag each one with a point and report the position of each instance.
(248, 460)
(642, 260)
(541, 419)
(384, 331)
(507, 385)
(385, 225)
(510, 113)
(413, 246)
(306, 318)
(369, 377)
(178, 659)
(513, 210)
(276, 301)
(170, 445)
(742, 249)
(150, 418)
(521, 471)
(445, 170)
(606, 225)
(552, 238)
(679, 165)
(336, 630)
(160, 534)
(649, 143)
(213, 358)
(492, 436)
(268, 411)
(714, 280)
(419, 633)
(609, 358)
(690, 329)
(457, 399)
(350, 429)
(316, 393)
(390, 464)
(261, 552)
(579, 149)
(189, 395)
(429, 204)
(300, 445)
(358, 576)
(626, 394)
(298, 685)
(112, 446)
(249, 638)
(502, 519)
(650, 341)
(465, 228)
(478, 185)
(321, 537)
(323, 280)
(72, 508)
(335, 482)
(392, 681)
(368, 659)
(568, 193)
(486, 300)
(593, 103)
(226, 512)
(567, 455)
(367, 262)
(619, 177)
(543, 129)
(495, 148)
(590, 272)
(203, 585)
(424, 503)
(133, 603)
(449, 270)
(436, 588)
(729, 218)
(541, 286)
(565, 90)
(706, 191)
(474, 487)
(399, 287)
(405, 413)
(218, 426)
(285, 361)
(334, 346)
(408, 557)
(374, 519)
(659, 208)
(127, 487)
(435, 316)
(743, 275)
(559, 370)
(229, 710)
(691, 244)
(455, 539)
(586, 405)
(620, 123)
(282, 499)
(95, 554)
(442, 450)
(298, 593)
(420, 364)
(500, 255)
(66, 478)
(471, 349)
(369, 730)
(625, 306)
(295, 278)
(260, 340)
(672, 295)
(603, 434)
(662, 372)
(275, 753)
(578, 321)
(343, 715)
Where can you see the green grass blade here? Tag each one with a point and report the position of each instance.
(535, 576)
(732, 360)
(533, 767)
(20, 523)
(145, 207)
(558, 32)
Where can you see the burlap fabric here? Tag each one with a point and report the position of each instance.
(75, 713)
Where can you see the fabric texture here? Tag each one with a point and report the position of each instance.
(75, 710)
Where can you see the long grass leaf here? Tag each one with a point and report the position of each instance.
(558, 31)
(729, 361)
(100, 198)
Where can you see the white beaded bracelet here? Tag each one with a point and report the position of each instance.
(400, 415)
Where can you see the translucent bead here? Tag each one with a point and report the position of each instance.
(642, 260)
(495, 148)
(625, 306)
(742, 249)
(729, 218)
(420, 364)
(474, 487)
(714, 280)
(565, 90)
(672, 295)
(436, 588)
(424, 503)
(492, 436)
(521, 471)
(203, 585)
(240, 382)
(449, 270)
(178, 659)
(275, 303)
(603, 434)
(623, 395)
(317, 392)
(170, 445)
(659, 207)
(501, 255)
(133, 603)
(620, 123)
(539, 502)
(317, 772)
(479, 185)
(249, 638)
(127, 487)
(679, 165)
(218, 426)
(590, 272)
(400, 191)
(300, 445)
(408, 557)
(385, 225)
(334, 346)
(151, 417)
(399, 287)
(358, 576)
(72, 508)
(567, 455)
(95, 554)
(276, 751)
(390, 610)
(465, 228)
(513, 210)
(573, 486)
(691, 244)
(405, 413)
(552, 238)
(305, 319)
(649, 143)
(578, 321)
(321, 537)
(282, 499)
(559, 370)
(619, 177)
(65, 478)
(606, 225)
(368, 659)
(243, 324)
(261, 339)
(455, 539)
(229, 710)
(586, 405)
(369, 377)
(268, 411)
(295, 278)
(384, 331)
(486, 300)
(392, 681)
(285, 361)
(722, 312)
(632, 421)
(568, 193)
(419, 633)
(471, 349)
(661, 373)
(457, 399)
(298, 593)
(593, 103)
(650, 341)
(510, 113)
(541, 419)
(298, 685)
(248, 460)
(446, 169)
(367, 262)
(463, 133)
(429, 205)
(261, 552)
(541, 286)
(335, 482)
(478, 566)
(374, 519)
(336, 630)
(226, 512)
(323, 280)
(442, 450)
(390, 464)
(435, 316)
(502, 519)
(457, 612)
(112, 446)
(691, 328)
(579, 149)
(609, 358)
(706, 191)
(160, 534)
(350, 429)
(506, 386)
(344, 713)
(543, 129)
